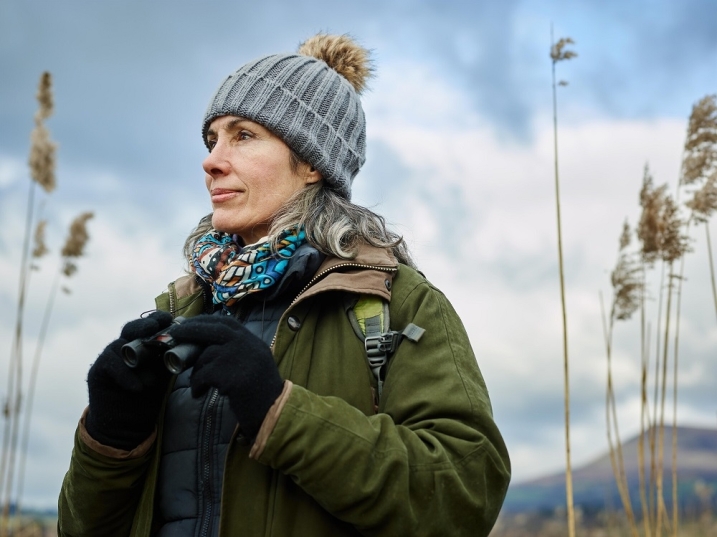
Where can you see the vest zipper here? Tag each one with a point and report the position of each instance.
(318, 277)
(205, 457)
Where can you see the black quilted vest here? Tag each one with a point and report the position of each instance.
(197, 431)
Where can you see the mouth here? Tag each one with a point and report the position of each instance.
(220, 195)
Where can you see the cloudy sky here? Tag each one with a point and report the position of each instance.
(459, 160)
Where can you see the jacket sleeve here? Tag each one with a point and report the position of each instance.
(432, 462)
(100, 493)
(104, 490)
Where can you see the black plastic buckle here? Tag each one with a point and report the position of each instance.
(379, 348)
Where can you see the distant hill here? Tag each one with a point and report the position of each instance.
(594, 484)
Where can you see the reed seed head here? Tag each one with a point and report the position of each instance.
(558, 52)
(660, 228)
(626, 281)
(40, 246)
(69, 268)
(44, 98)
(674, 243)
(704, 200)
(700, 158)
(78, 236)
(649, 226)
(42, 158)
(625, 236)
(627, 286)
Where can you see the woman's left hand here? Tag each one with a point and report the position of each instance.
(237, 363)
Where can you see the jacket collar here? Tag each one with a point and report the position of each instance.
(366, 255)
(370, 272)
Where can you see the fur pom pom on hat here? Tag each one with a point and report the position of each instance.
(310, 100)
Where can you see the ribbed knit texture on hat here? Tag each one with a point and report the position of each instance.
(314, 109)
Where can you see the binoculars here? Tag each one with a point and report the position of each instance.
(177, 356)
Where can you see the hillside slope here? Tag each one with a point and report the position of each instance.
(594, 483)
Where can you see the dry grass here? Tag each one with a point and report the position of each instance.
(661, 229)
(40, 247)
(700, 156)
(628, 287)
(558, 53)
(16, 428)
(42, 172)
(73, 248)
(605, 524)
(663, 234)
(704, 200)
(77, 237)
(699, 170)
(33, 527)
(626, 280)
(43, 149)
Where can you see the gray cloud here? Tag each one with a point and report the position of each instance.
(132, 78)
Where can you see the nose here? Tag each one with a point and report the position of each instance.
(216, 163)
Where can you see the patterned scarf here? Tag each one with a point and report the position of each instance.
(234, 271)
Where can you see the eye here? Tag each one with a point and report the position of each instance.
(244, 135)
(210, 144)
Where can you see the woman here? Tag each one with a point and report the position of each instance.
(280, 427)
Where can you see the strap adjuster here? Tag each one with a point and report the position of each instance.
(379, 348)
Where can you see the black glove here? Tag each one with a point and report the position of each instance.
(125, 402)
(237, 363)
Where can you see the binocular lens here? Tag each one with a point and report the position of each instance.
(131, 353)
(173, 363)
(178, 358)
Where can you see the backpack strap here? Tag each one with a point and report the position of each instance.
(370, 319)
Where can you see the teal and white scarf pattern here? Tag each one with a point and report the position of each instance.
(234, 271)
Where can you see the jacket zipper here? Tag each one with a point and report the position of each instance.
(318, 277)
(172, 300)
(206, 520)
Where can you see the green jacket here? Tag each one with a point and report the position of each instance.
(430, 462)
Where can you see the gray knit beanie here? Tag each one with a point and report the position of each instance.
(310, 100)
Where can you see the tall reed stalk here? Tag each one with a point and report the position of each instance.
(644, 412)
(652, 431)
(661, 511)
(699, 170)
(73, 249)
(675, 503)
(557, 54)
(712, 265)
(698, 174)
(627, 292)
(42, 172)
(662, 235)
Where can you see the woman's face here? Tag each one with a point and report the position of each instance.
(249, 176)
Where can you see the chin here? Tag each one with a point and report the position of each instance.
(224, 224)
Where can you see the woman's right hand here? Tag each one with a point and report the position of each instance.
(125, 402)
